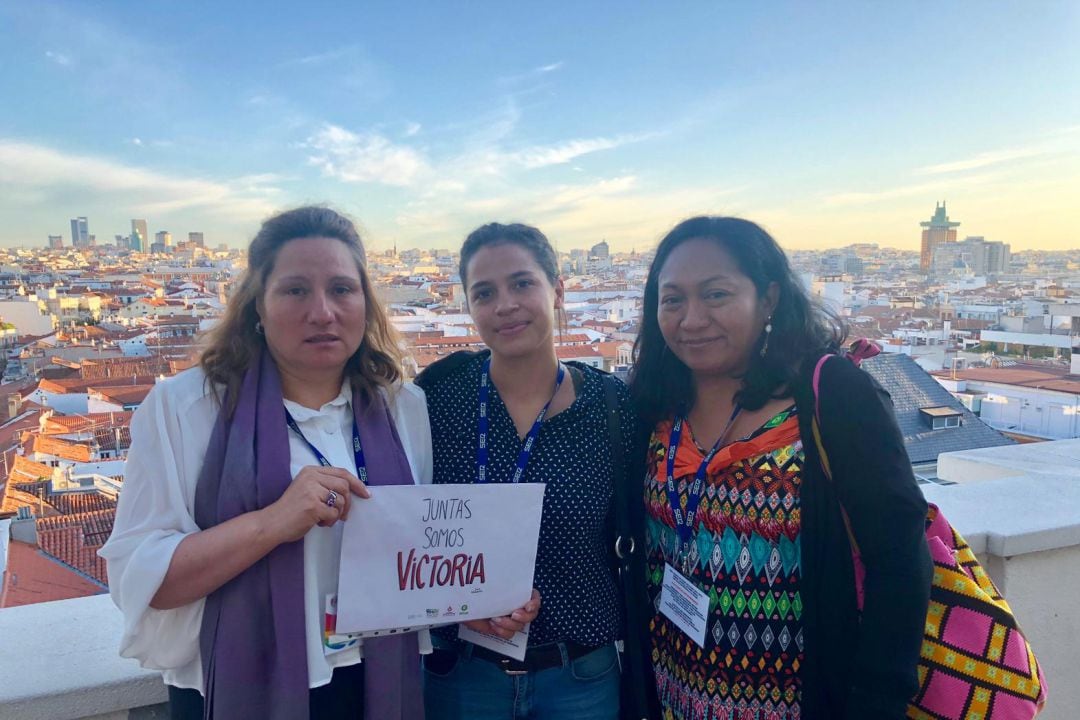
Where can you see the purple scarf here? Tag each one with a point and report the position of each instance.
(253, 639)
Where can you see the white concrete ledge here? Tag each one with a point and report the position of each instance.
(1012, 516)
(1059, 458)
(1012, 500)
(59, 661)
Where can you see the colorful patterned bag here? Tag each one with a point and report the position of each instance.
(975, 663)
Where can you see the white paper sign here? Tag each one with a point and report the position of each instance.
(415, 556)
(683, 604)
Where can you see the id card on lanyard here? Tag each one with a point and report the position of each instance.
(681, 601)
(516, 646)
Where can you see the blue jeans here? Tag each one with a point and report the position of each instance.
(476, 689)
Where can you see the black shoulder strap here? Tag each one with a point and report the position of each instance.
(623, 531)
(638, 701)
(443, 368)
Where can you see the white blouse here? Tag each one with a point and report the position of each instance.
(170, 433)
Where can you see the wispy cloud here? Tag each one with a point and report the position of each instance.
(364, 157)
(137, 142)
(866, 197)
(1066, 139)
(350, 66)
(370, 156)
(58, 58)
(623, 209)
(982, 160)
(321, 58)
(1014, 164)
(115, 64)
(531, 74)
(58, 176)
(561, 153)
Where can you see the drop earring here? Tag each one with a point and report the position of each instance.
(768, 331)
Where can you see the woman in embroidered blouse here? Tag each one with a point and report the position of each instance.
(227, 501)
(728, 342)
(571, 670)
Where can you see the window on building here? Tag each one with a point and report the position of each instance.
(939, 418)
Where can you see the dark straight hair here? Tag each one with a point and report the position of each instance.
(525, 236)
(662, 385)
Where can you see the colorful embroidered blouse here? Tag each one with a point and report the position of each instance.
(745, 556)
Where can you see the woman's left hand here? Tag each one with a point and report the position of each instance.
(507, 625)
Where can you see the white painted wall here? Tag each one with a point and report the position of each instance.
(1035, 339)
(26, 316)
(97, 405)
(1031, 411)
(64, 403)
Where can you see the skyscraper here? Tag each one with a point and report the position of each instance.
(163, 238)
(140, 236)
(80, 232)
(936, 231)
(196, 239)
(56, 241)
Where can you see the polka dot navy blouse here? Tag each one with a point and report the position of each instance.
(573, 564)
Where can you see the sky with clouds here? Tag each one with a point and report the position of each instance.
(829, 123)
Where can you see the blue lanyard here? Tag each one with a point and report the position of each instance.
(358, 452)
(684, 523)
(482, 424)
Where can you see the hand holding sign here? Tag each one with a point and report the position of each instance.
(508, 625)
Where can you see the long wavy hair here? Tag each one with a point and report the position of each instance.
(231, 345)
(662, 385)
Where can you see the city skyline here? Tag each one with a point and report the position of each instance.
(828, 125)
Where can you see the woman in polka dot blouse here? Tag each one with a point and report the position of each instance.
(571, 669)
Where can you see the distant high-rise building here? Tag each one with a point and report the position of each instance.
(998, 256)
(196, 238)
(976, 255)
(140, 236)
(80, 232)
(163, 238)
(121, 241)
(938, 230)
(600, 250)
(56, 241)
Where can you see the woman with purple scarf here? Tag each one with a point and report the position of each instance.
(224, 555)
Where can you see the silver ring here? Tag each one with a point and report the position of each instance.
(331, 499)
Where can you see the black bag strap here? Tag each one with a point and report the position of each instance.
(637, 671)
(624, 534)
(444, 368)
